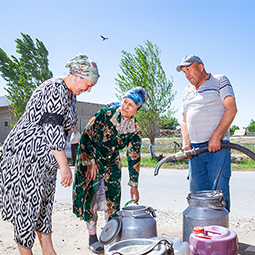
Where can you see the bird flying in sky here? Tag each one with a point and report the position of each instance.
(104, 38)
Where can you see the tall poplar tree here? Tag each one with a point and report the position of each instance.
(143, 68)
(23, 75)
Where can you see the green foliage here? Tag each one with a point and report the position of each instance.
(244, 165)
(251, 127)
(25, 74)
(233, 128)
(168, 121)
(143, 68)
(152, 162)
(145, 162)
(166, 146)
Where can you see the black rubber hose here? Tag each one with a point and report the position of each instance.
(197, 151)
(233, 146)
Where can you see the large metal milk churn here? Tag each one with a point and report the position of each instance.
(206, 208)
(133, 222)
(138, 221)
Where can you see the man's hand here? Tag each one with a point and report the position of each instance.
(187, 148)
(134, 194)
(214, 144)
(92, 172)
(225, 122)
(185, 135)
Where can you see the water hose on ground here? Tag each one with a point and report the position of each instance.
(197, 151)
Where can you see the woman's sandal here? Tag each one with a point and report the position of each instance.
(94, 247)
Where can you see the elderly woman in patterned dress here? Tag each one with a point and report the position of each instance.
(33, 151)
(98, 167)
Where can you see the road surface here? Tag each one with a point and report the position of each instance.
(169, 189)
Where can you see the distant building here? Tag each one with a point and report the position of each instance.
(84, 111)
(240, 132)
(6, 117)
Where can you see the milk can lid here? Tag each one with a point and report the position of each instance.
(198, 230)
(110, 230)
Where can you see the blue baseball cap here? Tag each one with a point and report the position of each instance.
(189, 60)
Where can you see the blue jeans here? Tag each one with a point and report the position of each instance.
(204, 169)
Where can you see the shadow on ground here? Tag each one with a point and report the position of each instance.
(246, 249)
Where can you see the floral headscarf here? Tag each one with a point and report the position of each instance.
(83, 67)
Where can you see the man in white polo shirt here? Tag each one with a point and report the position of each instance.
(74, 140)
(208, 110)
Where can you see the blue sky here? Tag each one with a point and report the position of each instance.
(220, 32)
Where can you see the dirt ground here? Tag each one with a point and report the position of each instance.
(70, 235)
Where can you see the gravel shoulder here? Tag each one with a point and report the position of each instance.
(70, 235)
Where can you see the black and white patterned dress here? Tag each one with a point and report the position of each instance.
(27, 165)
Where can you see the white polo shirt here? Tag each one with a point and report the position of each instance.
(75, 137)
(204, 107)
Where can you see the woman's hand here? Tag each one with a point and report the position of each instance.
(134, 194)
(92, 172)
(65, 172)
(66, 176)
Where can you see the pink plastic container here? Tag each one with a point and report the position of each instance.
(213, 240)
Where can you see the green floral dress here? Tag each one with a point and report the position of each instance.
(100, 143)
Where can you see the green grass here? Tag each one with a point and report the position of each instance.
(151, 163)
(165, 147)
(243, 165)
(145, 162)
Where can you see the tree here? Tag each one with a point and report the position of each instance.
(143, 68)
(251, 127)
(168, 121)
(233, 128)
(25, 74)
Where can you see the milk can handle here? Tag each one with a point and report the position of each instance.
(222, 204)
(148, 211)
(140, 215)
(119, 213)
(152, 211)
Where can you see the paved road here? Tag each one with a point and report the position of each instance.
(168, 191)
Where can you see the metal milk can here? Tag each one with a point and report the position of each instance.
(133, 222)
(206, 208)
(148, 246)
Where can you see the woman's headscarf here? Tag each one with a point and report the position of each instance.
(138, 95)
(83, 67)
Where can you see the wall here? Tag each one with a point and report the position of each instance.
(6, 118)
(85, 111)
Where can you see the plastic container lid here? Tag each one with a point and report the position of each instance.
(110, 231)
(198, 230)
